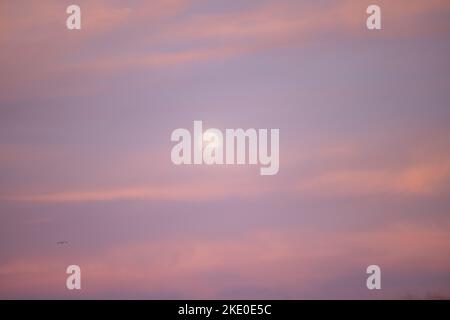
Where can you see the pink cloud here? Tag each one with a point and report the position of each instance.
(294, 260)
(335, 171)
(417, 179)
(43, 49)
(202, 188)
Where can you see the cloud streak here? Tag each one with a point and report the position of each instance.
(264, 260)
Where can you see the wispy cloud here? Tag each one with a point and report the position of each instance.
(413, 180)
(265, 261)
(310, 176)
(85, 148)
(190, 39)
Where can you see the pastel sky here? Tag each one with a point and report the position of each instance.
(85, 124)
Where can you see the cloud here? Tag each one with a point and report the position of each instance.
(375, 165)
(199, 189)
(413, 180)
(121, 194)
(38, 47)
(340, 170)
(264, 263)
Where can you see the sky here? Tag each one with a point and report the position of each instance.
(85, 123)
